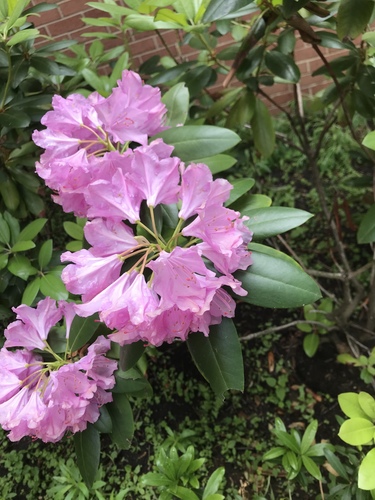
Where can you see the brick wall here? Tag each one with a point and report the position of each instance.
(66, 22)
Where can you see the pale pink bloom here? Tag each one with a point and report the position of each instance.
(181, 279)
(133, 111)
(89, 275)
(119, 198)
(225, 238)
(157, 179)
(108, 237)
(196, 183)
(33, 325)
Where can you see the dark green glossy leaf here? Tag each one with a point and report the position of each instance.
(289, 7)
(195, 141)
(218, 357)
(4, 231)
(87, 447)
(170, 74)
(267, 222)
(217, 163)
(122, 421)
(130, 354)
(132, 383)
(336, 464)
(10, 119)
(283, 66)
(81, 331)
(276, 280)
(104, 422)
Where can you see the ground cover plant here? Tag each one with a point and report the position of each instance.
(164, 250)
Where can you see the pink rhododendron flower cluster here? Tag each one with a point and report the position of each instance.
(43, 394)
(163, 245)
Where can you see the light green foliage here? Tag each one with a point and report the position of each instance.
(360, 430)
(365, 363)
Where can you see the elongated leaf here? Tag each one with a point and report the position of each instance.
(367, 403)
(311, 467)
(177, 101)
(4, 231)
(52, 286)
(310, 343)
(351, 20)
(336, 464)
(31, 291)
(267, 222)
(87, 447)
(283, 66)
(276, 280)
(263, 131)
(81, 331)
(31, 230)
(122, 421)
(218, 357)
(309, 436)
(20, 266)
(289, 7)
(45, 254)
(191, 142)
(357, 431)
(240, 187)
(366, 230)
(213, 483)
(369, 140)
(22, 246)
(217, 163)
(21, 36)
(366, 476)
(287, 440)
(14, 120)
(130, 354)
(218, 9)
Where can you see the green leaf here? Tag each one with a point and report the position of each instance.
(218, 9)
(74, 246)
(146, 23)
(283, 66)
(3, 260)
(366, 476)
(132, 383)
(240, 187)
(112, 9)
(130, 354)
(14, 227)
(4, 231)
(287, 440)
(367, 404)
(87, 447)
(52, 286)
(309, 436)
(45, 254)
(81, 331)
(276, 280)
(310, 343)
(242, 112)
(22, 246)
(349, 404)
(289, 7)
(31, 291)
(196, 141)
(122, 421)
(218, 357)
(273, 453)
(20, 266)
(213, 483)
(184, 493)
(357, 431)
(32, 229)
(351, 20)
(263, 131)
(10, 119)
(369, 140)
(336, 464)
(73, 230)
(311, 467)
(217, 163)
(104, 422)
(267, 222)
(366, 230)
(23, 35)
(177, 101)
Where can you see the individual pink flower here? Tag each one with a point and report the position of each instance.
(109, 237)
(133, 111)
(196, 183)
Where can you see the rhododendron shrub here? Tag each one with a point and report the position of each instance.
(166, 258)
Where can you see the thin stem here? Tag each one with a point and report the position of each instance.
(212, 53)
(9, 80)
(155, 236)
(274, 329)
(166, 46)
